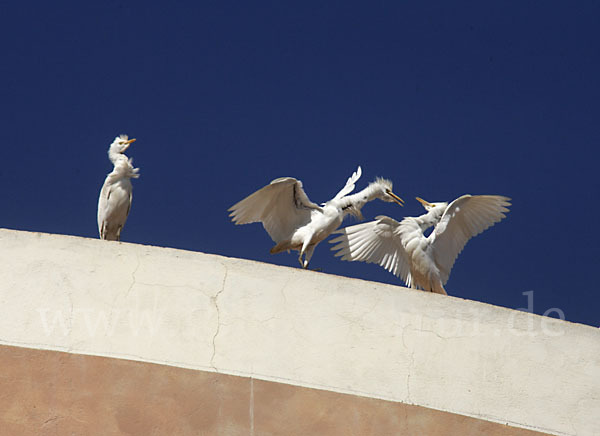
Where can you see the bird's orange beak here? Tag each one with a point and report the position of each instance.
(128, 143)
(423, 202)
(396, 198)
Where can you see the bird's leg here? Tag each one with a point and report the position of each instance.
(119, 234)
(307, 255)
(438, 288)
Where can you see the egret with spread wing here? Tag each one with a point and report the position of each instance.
(403, 249)
(296, 223)
(116, 194)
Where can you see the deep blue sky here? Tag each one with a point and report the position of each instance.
(444, 98)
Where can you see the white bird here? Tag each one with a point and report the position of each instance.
(403, 249)
(296, 223)
(115, 197)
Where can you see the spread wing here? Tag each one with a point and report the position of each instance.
(465, 217)
(282, 206)
(349, 187)
(374, 242)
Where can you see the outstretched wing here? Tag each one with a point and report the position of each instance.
(465, 217)
(374, 242)
(349, 187)
(282, 206)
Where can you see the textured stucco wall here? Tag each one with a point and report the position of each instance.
(304, 328)
(50, 393)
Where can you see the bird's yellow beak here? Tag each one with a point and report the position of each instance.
(396, 198)
(423, 202)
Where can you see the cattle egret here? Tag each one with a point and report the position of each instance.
(403, 249)
(116, 194)
(296, 223)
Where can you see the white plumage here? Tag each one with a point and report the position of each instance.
(296, 223)
(116, 194)
(403, 249)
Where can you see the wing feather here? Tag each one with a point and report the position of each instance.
(129, 204)
(374, 242)
(114, 205)
(102, 205)
(349, 186)
(282, 206)
(465, 217)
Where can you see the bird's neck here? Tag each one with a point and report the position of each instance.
(429, 219)
(353, 203)
(116, 157)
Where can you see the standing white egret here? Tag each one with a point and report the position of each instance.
(403, 249)
(296, 223)
(115, 197)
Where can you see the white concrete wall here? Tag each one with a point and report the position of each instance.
(300, 327)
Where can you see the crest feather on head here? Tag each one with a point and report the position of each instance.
(385, 182)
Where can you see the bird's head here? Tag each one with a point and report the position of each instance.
(119, 145)
(430, 206)
(382, 189)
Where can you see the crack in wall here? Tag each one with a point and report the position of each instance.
(51, 420)
(410, 365)
(133, 276)
(215, 302)
(70, 324)
(444, 338)
(251, 411)
(131, 285)
(70, 295)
